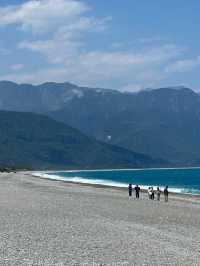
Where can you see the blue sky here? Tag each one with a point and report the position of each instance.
(125, 45)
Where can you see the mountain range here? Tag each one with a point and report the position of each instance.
(162, 123)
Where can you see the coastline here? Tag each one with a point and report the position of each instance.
(120, 169)
(46, 222)
(173, 195)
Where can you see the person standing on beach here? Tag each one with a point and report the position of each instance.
(137, 192)
(153, 194)
(158, 192)
(166, 193)
(149, 192)
(130, 189)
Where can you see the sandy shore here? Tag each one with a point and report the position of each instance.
(47, 222)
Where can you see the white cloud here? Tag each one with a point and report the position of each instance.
(56, 51)
(98, 68)
(121, 60)
(134, 87)
(184, 65)
(39, 76)
(17, 67)
(63, 47)
(42, 15)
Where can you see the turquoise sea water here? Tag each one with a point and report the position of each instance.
(178, 180)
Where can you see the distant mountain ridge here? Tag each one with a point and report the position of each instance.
(46, 97)
(162, 123)
(38, 142)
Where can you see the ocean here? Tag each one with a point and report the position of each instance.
(180, 180)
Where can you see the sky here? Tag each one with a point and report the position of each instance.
(126, 45)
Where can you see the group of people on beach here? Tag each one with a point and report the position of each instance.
(151, 192)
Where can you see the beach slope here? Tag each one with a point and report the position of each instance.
(46, 222)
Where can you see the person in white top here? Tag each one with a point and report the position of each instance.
(150, 193)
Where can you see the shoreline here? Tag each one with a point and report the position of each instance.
(48, 223)
(172, 195)
(120, 169)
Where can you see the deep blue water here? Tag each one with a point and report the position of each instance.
(178, 180)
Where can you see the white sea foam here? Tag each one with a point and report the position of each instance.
(129, 169)
(78, 179)
(102, 182)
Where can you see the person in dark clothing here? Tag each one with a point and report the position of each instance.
(130, 189)
(137, 192)
(153, 194)
(166, 193)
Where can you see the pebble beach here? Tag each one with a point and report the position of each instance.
(45, 222)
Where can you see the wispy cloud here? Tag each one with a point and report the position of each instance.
(183, 65)
(42, 15)
(98, 68)
(17, 67)
(150, 40)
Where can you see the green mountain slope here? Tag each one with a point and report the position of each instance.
(36, 141)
